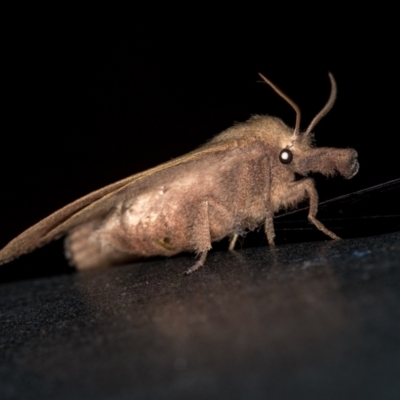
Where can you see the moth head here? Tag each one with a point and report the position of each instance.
(297, 151)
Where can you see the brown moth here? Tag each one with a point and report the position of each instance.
(230, 185)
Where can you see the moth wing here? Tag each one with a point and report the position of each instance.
(89, 207)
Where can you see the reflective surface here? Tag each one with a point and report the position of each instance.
(308, 320)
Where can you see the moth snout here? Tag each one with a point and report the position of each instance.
(352, 166)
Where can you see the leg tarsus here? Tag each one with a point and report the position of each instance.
(233, 242)
(269, 230)
(198, 264)
(318, 224)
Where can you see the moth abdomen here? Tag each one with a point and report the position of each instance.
(85, 250)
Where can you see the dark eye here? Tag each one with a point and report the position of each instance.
(285, 156)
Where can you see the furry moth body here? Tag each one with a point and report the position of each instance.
(232, 184)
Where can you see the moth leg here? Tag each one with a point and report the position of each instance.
(269, 218)
(313, 196)
(269, 227)
(307, 185)
(244, 175)
(201, 236)
(198, 264)
(233, 242)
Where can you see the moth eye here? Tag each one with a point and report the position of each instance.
(285, 156)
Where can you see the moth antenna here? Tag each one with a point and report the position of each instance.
(327, 107)
(289, 100)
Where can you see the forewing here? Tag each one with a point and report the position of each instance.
(92, 206)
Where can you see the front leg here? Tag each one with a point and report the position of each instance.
(254, 174)
(201, 237)
(269, 218)
(306, 188)
(313, 196)
(244, 175)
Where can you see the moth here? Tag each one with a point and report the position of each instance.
(227, 187)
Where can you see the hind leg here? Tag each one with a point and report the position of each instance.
(201, 236)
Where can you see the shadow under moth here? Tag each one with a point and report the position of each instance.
(231, 185)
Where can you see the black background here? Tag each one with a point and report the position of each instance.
(89, 103)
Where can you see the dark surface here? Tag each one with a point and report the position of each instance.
(314, 320)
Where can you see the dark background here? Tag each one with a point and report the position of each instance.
(89, 103)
